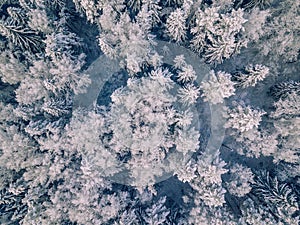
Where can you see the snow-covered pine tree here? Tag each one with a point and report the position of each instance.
(218, 87)
(176, 27)
(252, 75)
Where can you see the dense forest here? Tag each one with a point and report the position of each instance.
(159, 112)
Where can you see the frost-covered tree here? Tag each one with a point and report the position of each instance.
(138, 132)
(205, 215)
(179, 62)
(208, 201)
(286, 122)
(288, 171)
(283, 89)
(12, 71)
(187, 74)
(140, 118)
(52, 77)
(30, 91)
(252, 75)
(254, 27)
(214, 33)
(204, 175)
(242, 118)
(157, 213)
(84, 134)
(127, 41)
(287, 107)
(20, 35)
(86, 198)
(241, 178)
(271, 202)
(61, 41)
(14, 143)
(255, 214)
(189, 94)
(251, 139)
(39, 21)
(254, 143)
(257, 3)
(217, 87)
(275, 24)
(66, 74)
(281, 32)
(176, 27)
(149, 15)
(223, 4)
(280, 198)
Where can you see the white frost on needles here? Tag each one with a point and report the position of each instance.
(242, 118)
(218, 87)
